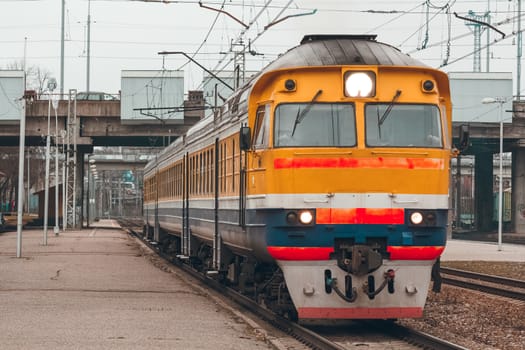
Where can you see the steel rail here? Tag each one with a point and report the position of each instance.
(509, 282)
(424, 340)
(471, 280)
(304, 335)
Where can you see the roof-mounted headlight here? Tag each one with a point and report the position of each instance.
(360, 84)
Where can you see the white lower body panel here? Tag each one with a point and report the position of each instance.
(306, 284)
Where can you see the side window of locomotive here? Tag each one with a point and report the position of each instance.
(402, 125)
(262, 126)
(446, 130)
(315, 125)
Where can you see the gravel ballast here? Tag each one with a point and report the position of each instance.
(473, 319)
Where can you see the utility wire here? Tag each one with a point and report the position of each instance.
(506, 21)
(205, 37)
(228, 62)
(419, 29)
(495, 41)
(447, 6)
(395, 18)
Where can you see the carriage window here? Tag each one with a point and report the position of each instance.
(315, 125)
(262, 122)
(400, 125)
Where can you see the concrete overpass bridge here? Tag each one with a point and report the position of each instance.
(483, 146)
(81, 126)
(98, 124)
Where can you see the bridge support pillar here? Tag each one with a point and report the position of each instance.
(82, 191)
(518, 189)
(483, 193)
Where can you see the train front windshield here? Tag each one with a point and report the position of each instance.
(403, 125)
(314, 125)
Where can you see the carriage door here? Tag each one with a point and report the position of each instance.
(185, 244)
(261, 135)
(156, 224)
(217, 240)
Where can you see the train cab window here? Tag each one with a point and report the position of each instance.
(403, 125)
(315, 125)
(262, 126)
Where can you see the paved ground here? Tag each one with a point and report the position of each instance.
(484, 251)
(100, 289)
(96, 289)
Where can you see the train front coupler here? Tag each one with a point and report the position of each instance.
(388, 280)
(358, 260)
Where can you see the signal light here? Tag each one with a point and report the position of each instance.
(290, 85)
(428, 86)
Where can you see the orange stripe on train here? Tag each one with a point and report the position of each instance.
(367, 163)
(385, 216)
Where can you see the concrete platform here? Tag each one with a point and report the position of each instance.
(100, 289)
(464, 250)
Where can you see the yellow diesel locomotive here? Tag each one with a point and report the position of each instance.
(320, 187)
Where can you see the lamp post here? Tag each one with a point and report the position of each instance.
(92, 168)
(500, 101)
(51, 85)
(63, 134)
(55, 107)
(20, 199)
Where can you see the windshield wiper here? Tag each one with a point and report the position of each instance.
(301, 114)
(389, 108)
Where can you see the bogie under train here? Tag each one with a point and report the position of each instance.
(320, 187)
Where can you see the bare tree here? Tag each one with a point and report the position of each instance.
(36, 77)
(40, 78)
(9, 173)
(8, 180)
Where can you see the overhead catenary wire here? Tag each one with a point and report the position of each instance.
(395, 18)
(419, 29)
(225, 61)
(261, 7)
(495, 41)
(222, 64)
(427, 22)
(445, 61)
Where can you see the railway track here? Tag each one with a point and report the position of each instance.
(370, 334)
(496, 285)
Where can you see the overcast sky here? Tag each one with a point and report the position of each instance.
(127, 35)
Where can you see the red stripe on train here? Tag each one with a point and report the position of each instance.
(359, 313)
(387, 216)
(370, 163)
(415, 252)
(323, 253)
(300, 253)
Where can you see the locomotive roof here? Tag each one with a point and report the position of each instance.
(328, 50)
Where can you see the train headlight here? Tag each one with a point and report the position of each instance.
(424, 218)
(416, 218)
(306, 217)
(291, 218)
(360, 84)
(431, 219)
